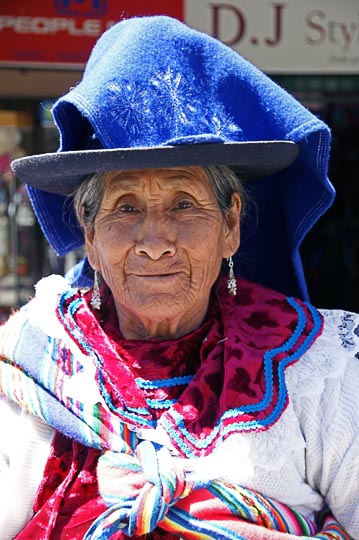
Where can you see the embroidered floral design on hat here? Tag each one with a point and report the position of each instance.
(128, 106)
(175, 98)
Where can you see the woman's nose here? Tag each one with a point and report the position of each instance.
(156, 237)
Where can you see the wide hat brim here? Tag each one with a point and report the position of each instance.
(63, 172)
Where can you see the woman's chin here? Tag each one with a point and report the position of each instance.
(159, 306)
(159, 316)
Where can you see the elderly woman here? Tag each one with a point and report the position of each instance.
(165, 396)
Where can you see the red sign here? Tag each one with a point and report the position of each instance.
(63, 32)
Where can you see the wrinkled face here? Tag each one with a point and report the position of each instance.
(159, 239)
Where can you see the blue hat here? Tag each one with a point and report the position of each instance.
(156, 93)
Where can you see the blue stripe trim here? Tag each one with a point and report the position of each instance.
(163, 383)
(158, 404)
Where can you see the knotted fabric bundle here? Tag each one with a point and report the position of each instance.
(150, 489)
(147, 487)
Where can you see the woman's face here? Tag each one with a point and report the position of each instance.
(159, 239)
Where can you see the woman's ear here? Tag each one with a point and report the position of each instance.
(233, 226)
(91, 250)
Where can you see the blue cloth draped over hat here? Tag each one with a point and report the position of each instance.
(153, 81)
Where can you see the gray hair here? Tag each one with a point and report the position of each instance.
(88, 196)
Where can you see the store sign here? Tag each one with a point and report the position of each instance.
(289, 36)
(61, 33)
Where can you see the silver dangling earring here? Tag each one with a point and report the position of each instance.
(231, 283)
(96, 297)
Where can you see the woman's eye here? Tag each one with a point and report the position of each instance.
(127, 208)
(182, 205)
